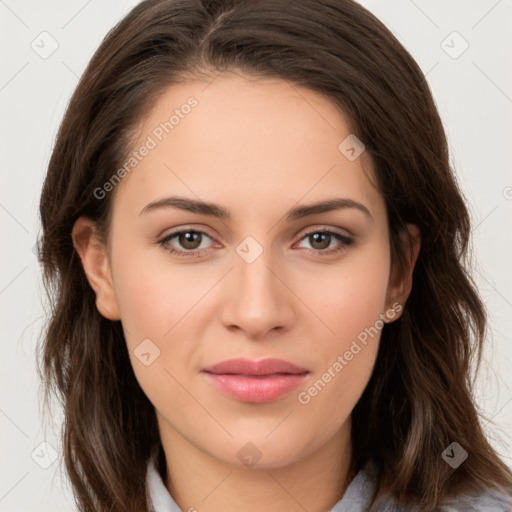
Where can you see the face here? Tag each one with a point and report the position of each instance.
(269, 278)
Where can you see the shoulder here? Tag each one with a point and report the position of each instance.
(488, 501)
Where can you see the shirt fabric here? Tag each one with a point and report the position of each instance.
(356, 498)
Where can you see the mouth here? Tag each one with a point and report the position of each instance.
(255, 381)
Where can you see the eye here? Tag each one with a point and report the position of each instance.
(191, 242)
(189, 239)
(320, 240)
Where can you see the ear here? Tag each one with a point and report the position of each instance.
(400, 285)
(95, 262)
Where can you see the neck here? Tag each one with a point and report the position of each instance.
(198, 481)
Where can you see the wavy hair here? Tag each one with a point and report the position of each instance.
(419, 398)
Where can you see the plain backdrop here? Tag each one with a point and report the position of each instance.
(464, 47)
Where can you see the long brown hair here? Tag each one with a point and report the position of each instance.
(419, 398)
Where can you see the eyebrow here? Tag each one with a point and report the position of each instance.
(214, 210)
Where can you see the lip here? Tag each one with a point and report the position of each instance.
(255, 381)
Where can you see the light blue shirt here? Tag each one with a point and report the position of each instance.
(357, 497)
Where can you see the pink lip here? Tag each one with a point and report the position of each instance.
(255, 381)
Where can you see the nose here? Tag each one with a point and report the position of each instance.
(256, 299)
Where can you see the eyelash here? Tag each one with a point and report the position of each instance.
(346, 242)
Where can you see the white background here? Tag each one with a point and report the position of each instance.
(474, 96)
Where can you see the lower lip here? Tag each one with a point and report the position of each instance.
(256, 389)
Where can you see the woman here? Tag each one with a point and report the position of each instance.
(256, 249)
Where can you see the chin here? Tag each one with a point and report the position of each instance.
(256, 452)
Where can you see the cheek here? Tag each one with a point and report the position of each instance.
(154, 297)
(350, 298)
(352, 307)
(163, 303)
(156, 303)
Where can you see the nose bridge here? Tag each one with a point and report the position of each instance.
(258, 301)
(255, 279)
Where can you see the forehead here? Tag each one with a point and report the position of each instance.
(235, 141)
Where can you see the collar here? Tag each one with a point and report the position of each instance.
(357, 497)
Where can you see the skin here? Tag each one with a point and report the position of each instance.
(256, 148)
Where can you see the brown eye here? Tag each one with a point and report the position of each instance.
(187, 242)
(321, 240)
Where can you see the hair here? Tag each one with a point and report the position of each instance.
(420, 396)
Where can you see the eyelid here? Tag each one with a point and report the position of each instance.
(315, 228)
(186, 227)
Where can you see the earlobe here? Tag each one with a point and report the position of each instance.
(400, 289)
(96, 265)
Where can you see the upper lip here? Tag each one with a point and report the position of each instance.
(242, 366)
